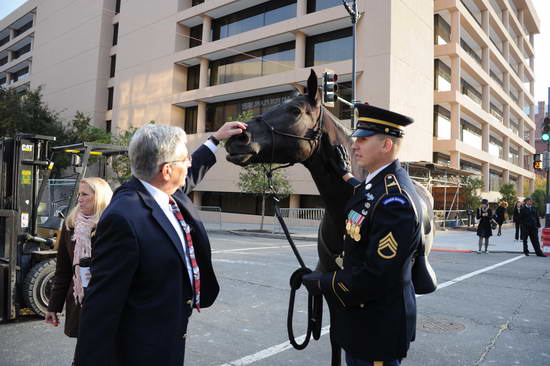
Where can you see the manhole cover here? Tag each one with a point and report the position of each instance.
(430, 324)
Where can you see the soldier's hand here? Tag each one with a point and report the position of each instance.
(340, 161)
(312, 281)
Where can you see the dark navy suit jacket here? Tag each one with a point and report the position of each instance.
(137, 306)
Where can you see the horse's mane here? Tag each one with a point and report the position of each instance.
(339, 134)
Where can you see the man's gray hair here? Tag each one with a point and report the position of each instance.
(151, 146)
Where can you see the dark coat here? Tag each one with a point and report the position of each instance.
(529, 219)
(500, 215)
(516, 216)
(484, 226)
(373, 295)
(62, 286)
(138, 303)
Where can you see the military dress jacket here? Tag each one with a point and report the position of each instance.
(372, 294)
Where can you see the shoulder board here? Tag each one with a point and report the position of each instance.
(392, 186)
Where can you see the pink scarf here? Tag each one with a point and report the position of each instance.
(83, 248)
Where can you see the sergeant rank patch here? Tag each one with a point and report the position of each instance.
(387, 247)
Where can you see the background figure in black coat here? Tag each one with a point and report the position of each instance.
(500, 215)
(147, 259)
(530, 225)
(517, 220)
(484, 214)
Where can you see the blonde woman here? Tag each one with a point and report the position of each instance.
(94, 194)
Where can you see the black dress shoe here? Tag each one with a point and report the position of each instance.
(541, 255)
(526, 254)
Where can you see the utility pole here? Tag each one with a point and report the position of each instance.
(354, 16)
(546, 126)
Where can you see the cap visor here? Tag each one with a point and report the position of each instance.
(363, 133)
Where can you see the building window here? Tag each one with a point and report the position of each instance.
(196, 2)
(469, 50)
(20, 52)
(470, 134)
(266, 61)
(317, 5)
(113, 66)
(497, 112)
(193, 77)
(514, 125)
(23, 29)
(255, 17)
(218, 113)
(442, 123)
(117, 6)
(495, 148)
(195, 34)
(442, 34)
(20, 75)
(115, 34)
(110, 92)
(442, 159)
(108, 126)
(471, 167)
(4, 40)
(495, 180)
(471, 92)
(3, 61)
(442, 77)
(514, 156)
(191, 115)
(329, 47)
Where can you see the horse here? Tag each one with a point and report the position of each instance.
(301, 130)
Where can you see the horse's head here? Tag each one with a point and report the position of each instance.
(287, 133)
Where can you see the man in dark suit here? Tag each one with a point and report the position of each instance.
(373, 294)
(530, 225)
(151, 260)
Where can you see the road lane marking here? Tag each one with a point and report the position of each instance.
(260, 248)
(268, 352)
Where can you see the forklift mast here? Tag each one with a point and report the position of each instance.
(23, 164)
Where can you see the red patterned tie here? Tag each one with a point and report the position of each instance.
(190, 252)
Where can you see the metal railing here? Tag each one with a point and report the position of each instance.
(299, 217)
(453, 218)
(211, 215)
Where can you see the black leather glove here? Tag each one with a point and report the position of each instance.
(340, 161)
(312, 281)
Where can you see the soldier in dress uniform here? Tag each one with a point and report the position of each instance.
(374, 298)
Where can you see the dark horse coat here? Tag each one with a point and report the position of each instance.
(373, 294)
(137, 306)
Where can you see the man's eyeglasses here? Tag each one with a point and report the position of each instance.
(186, 160)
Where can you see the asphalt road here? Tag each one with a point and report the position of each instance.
(492, 309)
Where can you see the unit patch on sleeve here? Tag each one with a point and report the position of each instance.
(387, 247)
(399, 200)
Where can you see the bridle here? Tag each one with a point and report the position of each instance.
(314, 138)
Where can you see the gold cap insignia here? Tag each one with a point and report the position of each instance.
(387, 247)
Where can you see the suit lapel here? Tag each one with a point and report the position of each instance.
(161, 218)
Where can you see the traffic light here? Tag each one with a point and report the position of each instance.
(546, 129)
(537, 162)
(330, 88)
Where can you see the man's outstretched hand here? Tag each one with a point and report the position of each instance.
(229, 129)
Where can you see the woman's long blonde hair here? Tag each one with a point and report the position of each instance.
(102, 197)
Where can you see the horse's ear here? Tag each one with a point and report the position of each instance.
(313, 93)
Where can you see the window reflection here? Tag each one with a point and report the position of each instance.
(329, 47)
(442, 123)
(470, 134)
(317, 5)
(265, 61)
(255, 17)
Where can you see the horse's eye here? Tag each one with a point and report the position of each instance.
(295, 111)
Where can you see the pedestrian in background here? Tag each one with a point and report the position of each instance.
(484, 214)
(530, 225)
(94, 194)
(517, 220)
(500, 215)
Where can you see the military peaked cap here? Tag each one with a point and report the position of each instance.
(372, 120)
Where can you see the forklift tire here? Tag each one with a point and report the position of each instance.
(38, 285)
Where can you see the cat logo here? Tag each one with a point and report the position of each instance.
(26, 147)
(387, 247)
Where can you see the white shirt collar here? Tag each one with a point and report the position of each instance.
(159, 196)
(373, 174)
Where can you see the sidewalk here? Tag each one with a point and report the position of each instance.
(450, 240)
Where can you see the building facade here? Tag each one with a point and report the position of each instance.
(197, 64)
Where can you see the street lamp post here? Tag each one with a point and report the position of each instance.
(354, 16)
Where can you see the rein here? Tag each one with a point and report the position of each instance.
(314, 303)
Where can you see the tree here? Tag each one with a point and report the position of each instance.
(253, 179)
(508, 192)
(539, 200)
(81, 130)
(121, 163)
(470, 192)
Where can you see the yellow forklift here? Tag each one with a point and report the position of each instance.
(28, 245)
